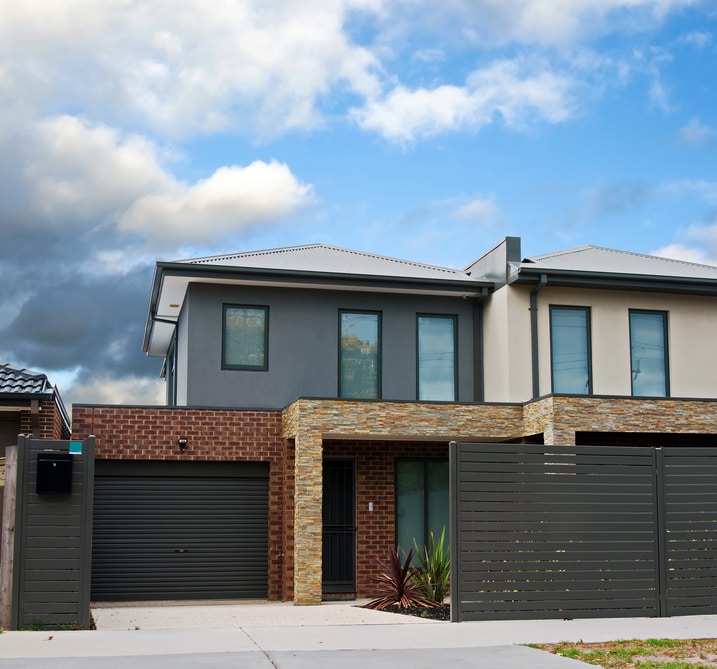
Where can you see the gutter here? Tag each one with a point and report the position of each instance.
(542, 282)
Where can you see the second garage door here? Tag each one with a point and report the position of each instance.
(179, 530)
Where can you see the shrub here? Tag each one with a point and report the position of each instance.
(396, 585)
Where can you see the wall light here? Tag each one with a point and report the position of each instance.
(182, 443)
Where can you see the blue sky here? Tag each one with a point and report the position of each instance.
(132, 132)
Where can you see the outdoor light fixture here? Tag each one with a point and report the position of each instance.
(182, 443)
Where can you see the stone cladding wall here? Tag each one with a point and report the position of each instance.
(560, 417)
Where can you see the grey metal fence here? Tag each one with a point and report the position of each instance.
(582, 531)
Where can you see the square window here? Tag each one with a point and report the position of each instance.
(245, 337)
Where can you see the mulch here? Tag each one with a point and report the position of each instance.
(436, 613)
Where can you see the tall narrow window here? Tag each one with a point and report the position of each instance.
(648, 354)
(170, 371)
(437, 358)
(570, 350)
(422, 504)
(245, 336)
(360, 354)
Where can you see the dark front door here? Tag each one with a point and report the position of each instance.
(339, 527)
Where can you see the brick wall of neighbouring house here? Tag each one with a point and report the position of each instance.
(375, 482)
(49, 422)
(150, 433)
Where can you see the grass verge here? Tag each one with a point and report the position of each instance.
(641, 654)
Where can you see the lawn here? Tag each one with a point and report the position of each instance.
(644, 654)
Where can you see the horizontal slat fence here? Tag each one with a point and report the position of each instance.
(553, 532)
(690, 529)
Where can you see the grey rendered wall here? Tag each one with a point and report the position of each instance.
(303, 344)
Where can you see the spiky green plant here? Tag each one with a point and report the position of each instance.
(396, 586)
(433, 574)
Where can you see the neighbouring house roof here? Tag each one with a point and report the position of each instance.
(22, 381)
(19, 385)
(309, 266)
(599, 267)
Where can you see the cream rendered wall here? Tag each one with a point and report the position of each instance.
(692, 332)
(506, 346)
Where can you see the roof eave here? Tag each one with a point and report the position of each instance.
(615, 281)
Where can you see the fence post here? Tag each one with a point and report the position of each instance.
(7, 538)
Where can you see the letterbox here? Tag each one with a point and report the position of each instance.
(54, 473)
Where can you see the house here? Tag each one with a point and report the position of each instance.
(312, 393)
(30, 404)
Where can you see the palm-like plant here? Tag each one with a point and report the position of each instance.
(396, 585)
(433, 575)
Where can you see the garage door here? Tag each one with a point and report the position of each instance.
(178, 530)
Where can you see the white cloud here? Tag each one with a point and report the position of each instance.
(84, 170)
(707, 190)
(232, 199)
(188, 68)
(687, 253)
(696, 132)
(518, 93)
(133, 390)
(94, 179)
(482, 211)
(698, 39)
(545, 22)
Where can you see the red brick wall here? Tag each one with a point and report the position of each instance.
(49, 422)
(151, 433)
(375, 482)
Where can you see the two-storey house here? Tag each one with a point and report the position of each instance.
(312, 393)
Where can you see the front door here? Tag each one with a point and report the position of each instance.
(339, 527)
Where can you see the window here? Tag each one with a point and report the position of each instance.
(570, 350)
(648, 353)
(244, 343)
(421, 501)
(360, 354)
(170, 371)
(437, 358)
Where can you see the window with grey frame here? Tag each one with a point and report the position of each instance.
(571, 367)
(437, 375)
(649, 363)
(170, 371)
(360, 354)
(245, 337)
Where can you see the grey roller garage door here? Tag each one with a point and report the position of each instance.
(177, 530)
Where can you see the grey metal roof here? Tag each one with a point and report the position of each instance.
(23, 381)
(611, 261)
(332, 260)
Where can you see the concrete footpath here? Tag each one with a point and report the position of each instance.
(266, 635)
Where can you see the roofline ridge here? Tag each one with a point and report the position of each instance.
(586, 247)
(284, 249)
